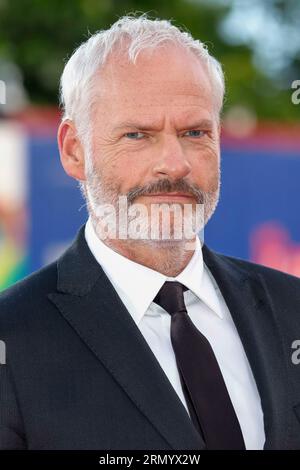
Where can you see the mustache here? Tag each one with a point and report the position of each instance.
(166, 186)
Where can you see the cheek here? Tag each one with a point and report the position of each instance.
(106, 158)
(131, 159)
(206, 169)
(120, 170)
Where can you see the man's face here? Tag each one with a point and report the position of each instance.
(155, 130)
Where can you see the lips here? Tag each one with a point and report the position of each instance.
(170, 195)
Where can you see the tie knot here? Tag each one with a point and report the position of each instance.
(170, 297)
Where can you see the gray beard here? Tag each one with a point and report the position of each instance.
(97, 195)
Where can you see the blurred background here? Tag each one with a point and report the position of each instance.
(258, 44)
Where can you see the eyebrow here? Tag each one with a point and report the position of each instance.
(203, 123)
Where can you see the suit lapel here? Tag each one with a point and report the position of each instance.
(90, 304)
(250, 305)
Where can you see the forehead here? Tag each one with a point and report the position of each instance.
(167, 78)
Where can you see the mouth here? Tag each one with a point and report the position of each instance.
(170, 196)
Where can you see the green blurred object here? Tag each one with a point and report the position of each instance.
(39, 35)
(13, 263)
(19, 272)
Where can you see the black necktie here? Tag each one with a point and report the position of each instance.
(203, 385)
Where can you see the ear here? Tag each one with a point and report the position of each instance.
(71, 150)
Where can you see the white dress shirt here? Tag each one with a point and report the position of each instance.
(209, 313)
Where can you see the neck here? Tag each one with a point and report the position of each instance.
(167, 257)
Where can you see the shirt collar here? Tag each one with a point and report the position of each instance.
(126, 274)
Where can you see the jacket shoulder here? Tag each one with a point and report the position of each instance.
(280, 283)
(257, 268)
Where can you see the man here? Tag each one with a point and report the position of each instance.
(134, 341)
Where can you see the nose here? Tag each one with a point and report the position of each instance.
(171, 161)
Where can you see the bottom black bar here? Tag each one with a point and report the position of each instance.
(133, 459)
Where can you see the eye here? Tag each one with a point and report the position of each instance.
(196, 133)
(134, 135)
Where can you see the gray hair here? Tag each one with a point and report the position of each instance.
(76, 85)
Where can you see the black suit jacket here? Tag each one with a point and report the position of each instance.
(80, 375)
